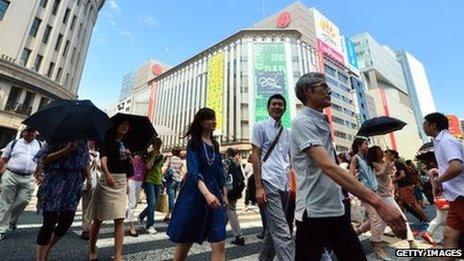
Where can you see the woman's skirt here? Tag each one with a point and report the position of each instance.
(108, 202)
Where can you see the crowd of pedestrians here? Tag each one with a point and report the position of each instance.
(302, 188)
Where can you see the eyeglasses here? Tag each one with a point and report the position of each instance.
(324, 86)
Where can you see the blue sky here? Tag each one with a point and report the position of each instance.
(130, 31)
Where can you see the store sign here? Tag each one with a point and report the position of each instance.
(329, 51)
(270, 76)
(215, 89)
(351, 52)
(327, 32)
(284, 20)
(156, 69)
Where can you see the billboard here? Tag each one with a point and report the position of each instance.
(349, 52)
(215, 88)
(270, 77)
(328, 33)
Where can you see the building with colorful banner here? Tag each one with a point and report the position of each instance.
(235, 77)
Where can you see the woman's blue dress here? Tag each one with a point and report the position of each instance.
(192, 219)
(61, 188)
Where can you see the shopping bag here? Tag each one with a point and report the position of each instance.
(162, 203)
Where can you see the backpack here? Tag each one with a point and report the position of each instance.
(234, 180)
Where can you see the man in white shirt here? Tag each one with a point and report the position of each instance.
(449, 179)
(271, 180)
(320, 212)
(17, 181)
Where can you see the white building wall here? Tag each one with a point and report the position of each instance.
(421, 84)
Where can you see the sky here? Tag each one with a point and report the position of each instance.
(128, 32)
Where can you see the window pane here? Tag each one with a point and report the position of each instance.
(43, 3)
(3, 6)
(66, 16)
(24, 57)
(35, 27)
(56, 5)
(38, 62)
(58, 42)
(51, 68)
(46, 34)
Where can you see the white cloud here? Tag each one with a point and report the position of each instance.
(128, 35)
(114, 6)
(102, 39)
(148, 20)
(111, 19)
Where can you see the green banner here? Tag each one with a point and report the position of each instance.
(270, 78)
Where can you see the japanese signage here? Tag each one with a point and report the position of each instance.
(270, 78)
(215, 91)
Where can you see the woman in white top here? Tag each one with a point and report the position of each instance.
(384, 171)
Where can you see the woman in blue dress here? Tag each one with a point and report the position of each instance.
(200, 212)
(65, 167)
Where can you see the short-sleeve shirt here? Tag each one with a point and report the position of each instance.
(317, 193)
(276, 167)
(178, 166)
(115, 163)
(21, 157)
(448, 148)
(155, 174)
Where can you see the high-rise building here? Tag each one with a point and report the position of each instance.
(337, 59)
(236, 76)
(135, 89)
(43, 46)
(386, 84)
(418, 89)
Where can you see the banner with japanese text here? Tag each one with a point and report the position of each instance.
(270, 72)
(214, 94)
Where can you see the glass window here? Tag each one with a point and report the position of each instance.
(25, 57)
(73, 56)
(66, 16)
(38, 62)
(58, 75)
(3, 7)
(46, 34)
(66, 46)
(51, 68)
(56, 5)
(330, 71)
(43, 101)
(73, 22)
(28, 99)
(35, 27)
(58, 42)
(43, 3)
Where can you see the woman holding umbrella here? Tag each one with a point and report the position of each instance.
(200, 211)
(109, 199)
(65, 166)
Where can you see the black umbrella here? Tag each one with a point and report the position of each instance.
(380, 126)
(425, 151)
(141, 130)
(66, 120)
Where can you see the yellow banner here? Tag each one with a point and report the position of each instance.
(214, 94)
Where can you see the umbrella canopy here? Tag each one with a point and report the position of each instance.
(66, 120)
(425, 150)
(380, 126)
(163, 130)
(141, 130)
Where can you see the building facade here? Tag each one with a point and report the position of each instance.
(234, 77)
(136, 88)
(418, 88)
(43, 45)
(385, 83)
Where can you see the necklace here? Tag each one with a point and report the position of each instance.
(210, 161)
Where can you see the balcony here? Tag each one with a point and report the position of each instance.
(18, 108)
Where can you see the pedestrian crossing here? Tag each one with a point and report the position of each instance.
(155, 247)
